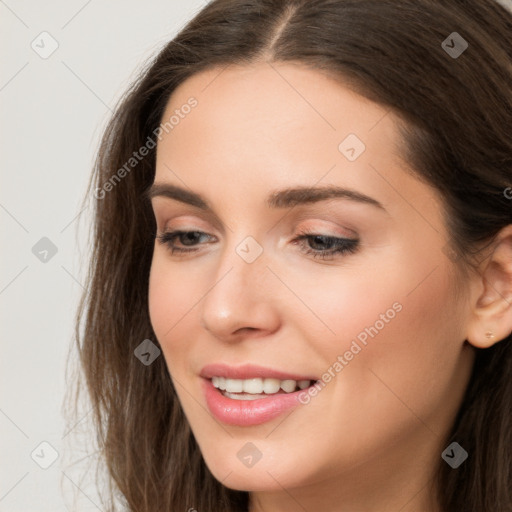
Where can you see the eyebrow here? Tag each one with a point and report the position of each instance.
(285, 198)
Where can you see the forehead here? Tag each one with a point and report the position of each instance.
(276, 125)
(276, 97)
(286, 110)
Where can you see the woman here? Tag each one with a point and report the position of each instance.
(301, 283)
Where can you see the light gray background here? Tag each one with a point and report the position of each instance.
(53, 113)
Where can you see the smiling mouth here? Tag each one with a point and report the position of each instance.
(257, 388)
(255, 400)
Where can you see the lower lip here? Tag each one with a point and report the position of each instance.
(245, 413)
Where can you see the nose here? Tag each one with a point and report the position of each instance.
(241, 300)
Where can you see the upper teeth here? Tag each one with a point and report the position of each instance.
(258, 385)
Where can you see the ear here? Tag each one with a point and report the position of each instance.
(491, 316)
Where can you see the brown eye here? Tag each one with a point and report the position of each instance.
(186, 238)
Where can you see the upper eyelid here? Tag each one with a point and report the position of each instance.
(316, 230)
(211, 219)
(320, 230)
(202, 215)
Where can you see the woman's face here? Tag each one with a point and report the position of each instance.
(377, 323)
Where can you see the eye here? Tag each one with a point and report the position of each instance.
(186, 238)
(318, 245)
(324, 246)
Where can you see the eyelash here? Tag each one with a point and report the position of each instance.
(341, 245)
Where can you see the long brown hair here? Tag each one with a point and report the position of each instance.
(457, 111)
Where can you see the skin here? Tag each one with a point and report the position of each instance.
(371, 439)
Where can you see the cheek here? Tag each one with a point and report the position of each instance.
(174, 300)
(161, 298)
(407, 332)
(404, 326)
(171, 297)
(404, 345)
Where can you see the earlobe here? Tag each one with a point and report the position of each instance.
(491, 317)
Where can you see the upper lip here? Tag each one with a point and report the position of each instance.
(249, 371)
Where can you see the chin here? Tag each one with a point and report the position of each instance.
(262, 476)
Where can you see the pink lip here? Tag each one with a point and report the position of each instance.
(245, 413)
(248, 412)
(249, 371)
